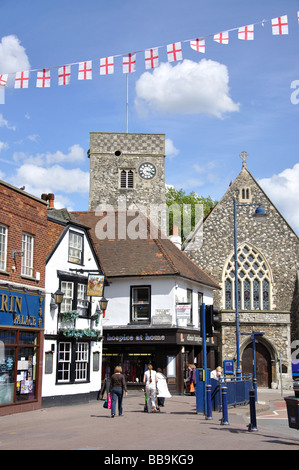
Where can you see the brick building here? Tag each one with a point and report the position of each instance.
(23, 230)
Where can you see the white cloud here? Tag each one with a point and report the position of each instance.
(186, 88)
(13, 57)
(4, 123)
(38, 180)
(282, 189)
(3, 146)
(76, 154)
(170, 150)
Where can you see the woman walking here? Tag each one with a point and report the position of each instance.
(150, 380)
(118, 389)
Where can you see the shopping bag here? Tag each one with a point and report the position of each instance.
(192, 389)
(105, 404)
(109, 402)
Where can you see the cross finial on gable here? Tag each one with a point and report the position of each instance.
(244, 155)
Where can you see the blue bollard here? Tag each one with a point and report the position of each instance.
(252, 426)
(209, 402)
(224, 419)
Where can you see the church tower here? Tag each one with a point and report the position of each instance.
(126, 167)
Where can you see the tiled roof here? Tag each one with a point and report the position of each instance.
(123, 256)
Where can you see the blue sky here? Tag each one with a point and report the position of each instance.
(211, 107)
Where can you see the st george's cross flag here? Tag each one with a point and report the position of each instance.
(3, 80)
(43, 78)
(151, 58)
(22, 79)
(198, 45)
(107, 66)
(64, 75)
(85, 70)
(246, 32)
(222, 38)
(129, 62)
(280, 25)
(174, 52)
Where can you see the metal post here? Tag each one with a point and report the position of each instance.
(238, 370)
(254, 366)
(252, 426)
(209, 402)
(204, 350)
(127, 106)
(224, 419)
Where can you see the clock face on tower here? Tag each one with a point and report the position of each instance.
(147, 171)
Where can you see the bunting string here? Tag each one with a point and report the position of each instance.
(174, 51)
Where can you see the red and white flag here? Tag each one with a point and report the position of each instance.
(298, 16)
(85, 70)
(129, 63)
(151, 58)
(246, 32)
(43, 78)
(222, 38)
(174, 52)
(3, 79)
(22, 79)
(107, 66)
(64, 75)
(198, 45)
(280, 25)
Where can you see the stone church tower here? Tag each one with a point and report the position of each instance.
(267, 278)
(128, 169)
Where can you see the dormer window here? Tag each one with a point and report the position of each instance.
(75, 247)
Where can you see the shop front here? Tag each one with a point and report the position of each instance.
(21, 343)
(169, 349)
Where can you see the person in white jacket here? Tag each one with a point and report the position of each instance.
(150, 380)
(162, 387)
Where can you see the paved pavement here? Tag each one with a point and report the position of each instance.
(177, 428)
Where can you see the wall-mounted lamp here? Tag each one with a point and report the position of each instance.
(56, 298)
(103, 305)
(17, 252)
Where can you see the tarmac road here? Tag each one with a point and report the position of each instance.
(177, 428)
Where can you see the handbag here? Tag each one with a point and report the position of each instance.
(192, 389)
(109, 401)
(105, 404)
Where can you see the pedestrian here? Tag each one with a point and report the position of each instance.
(118, 390)
(162, 387)
(192, 378)
(150, 380)
(217, 373)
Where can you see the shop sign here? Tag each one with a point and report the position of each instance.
(135, 338)
(190, 338)
(21, 309)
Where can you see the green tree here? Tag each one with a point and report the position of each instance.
(184, 209)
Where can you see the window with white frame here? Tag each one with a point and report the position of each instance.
(75, 297)
(254, 285)
(73, 362)
(81, 366)
(3, 247)
(64, 362)
(27, 257)
(126, 179)
(75, 247)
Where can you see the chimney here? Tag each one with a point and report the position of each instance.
(175, 238)
(51, 198)
(48, 197)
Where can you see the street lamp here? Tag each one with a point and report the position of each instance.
(260, 213)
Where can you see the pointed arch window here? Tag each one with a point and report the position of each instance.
(254, 284)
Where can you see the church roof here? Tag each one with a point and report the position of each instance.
(140, 254)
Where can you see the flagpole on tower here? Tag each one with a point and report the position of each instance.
(127, 127)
